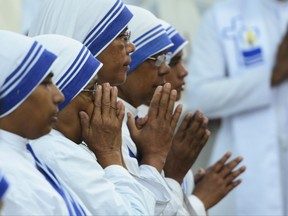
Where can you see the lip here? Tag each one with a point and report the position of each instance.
(54, 116)
(127, 62)
(182, 86)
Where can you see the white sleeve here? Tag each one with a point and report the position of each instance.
(188, 187)
(197, 205)
(210, 89)
(185, 206)
(113, 172)
(101, 193)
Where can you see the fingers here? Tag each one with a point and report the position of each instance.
(227, 169)
(106, 100)
(171, 104)
(113, 105)
(231, 177)
(176, 116)
(153, 109)
(184, 124)
(131, 124)
(233, 185)
(140, 122)
(220, 163)
(197, 127)
(205, 137)
(165, 101)
(120, 112)
(97, 102)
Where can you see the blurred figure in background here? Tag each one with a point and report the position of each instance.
(238, 73)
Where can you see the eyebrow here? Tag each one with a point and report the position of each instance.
(124, 30)
(50, 75)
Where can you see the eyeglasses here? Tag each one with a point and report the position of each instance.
(91, 90)
(125, 37)
(161, 58)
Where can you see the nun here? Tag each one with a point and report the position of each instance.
(101, 25)
(84, 148)
(148, 70)
(28, 108)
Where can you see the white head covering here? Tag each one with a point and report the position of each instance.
(147, 34)
(24, 64)
(178, 41)
(75, 66)
(95, 23)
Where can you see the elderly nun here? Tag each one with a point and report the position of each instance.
(28, 108)
(101, 25)
(147, 71)
(90, 114)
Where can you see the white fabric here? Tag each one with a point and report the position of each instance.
(20, 59)
(29, 192)
(95, 23)
(254, 116)
(148, 36)
(185, 190)
(111, 191)
(75, 66)
(156, 182)
(178, 41)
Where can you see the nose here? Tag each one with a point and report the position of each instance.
(183, 71)
(57, 95)
(164, 69)
(130, 47)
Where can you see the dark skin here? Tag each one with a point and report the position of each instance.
(280, 70)
(36, 115)
(218, 181)
(116, 59)
(158, 129)
(212, 184)
(92, 119)
(187, 144)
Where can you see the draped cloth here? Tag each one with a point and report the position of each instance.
(24, 64)
(75, 67)
(95, 23)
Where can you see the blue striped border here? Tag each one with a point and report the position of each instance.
(86, 68)
(35, 72)
(113, 24)
(148, 49)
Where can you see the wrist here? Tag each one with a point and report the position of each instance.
(106, 159)
(155, 160)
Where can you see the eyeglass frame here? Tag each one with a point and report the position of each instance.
(161, 58)
(125, 37)
(93, 91)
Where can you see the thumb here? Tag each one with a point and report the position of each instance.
(199, 175)
(131, 124)
(140, 122)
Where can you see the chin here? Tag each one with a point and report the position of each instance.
(120, 81)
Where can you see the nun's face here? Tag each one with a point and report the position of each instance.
(142, 82)
(36, 115)
(177, 74)
(116, 59)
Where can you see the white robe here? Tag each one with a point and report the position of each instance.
(228, 81)
(29, 192)
(109, 191)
